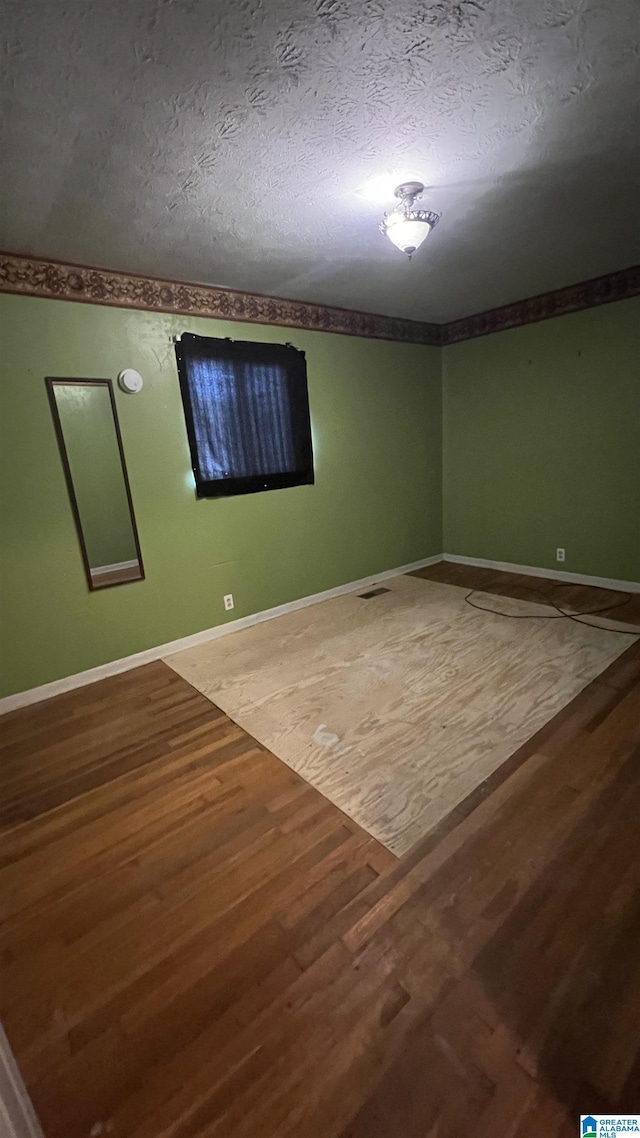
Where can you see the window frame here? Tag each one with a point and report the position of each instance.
(293, 362)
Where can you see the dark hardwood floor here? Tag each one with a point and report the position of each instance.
(573, 598)
(195, 943)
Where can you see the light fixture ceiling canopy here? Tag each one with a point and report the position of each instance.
(407, 226)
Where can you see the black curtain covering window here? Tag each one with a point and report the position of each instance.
(247, 414)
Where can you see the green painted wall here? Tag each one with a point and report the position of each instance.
(376, 504)
(92, 452)
(536, 430)
(541, 429)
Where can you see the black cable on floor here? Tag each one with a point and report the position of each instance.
(559, 614)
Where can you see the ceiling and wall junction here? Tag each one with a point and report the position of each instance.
(233, 144)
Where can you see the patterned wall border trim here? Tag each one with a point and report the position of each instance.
(55, 280)
(574, 298)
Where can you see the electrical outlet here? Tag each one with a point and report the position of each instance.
(559, 554)
(228, 601)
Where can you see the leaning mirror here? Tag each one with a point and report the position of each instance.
(86, 423)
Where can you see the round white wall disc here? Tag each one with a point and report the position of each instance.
(130, 380)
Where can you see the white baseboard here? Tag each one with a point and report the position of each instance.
(554, 574)
(80, 679)
(114, 667)
(17, 1116)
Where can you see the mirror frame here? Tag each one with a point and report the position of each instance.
(59, 381)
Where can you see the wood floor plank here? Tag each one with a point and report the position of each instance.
(196, 944)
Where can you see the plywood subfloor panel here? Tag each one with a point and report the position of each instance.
(196, 944)
(398, 707)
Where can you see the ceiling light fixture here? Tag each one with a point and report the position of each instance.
(405, 225)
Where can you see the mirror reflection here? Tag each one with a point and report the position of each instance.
(86, 423)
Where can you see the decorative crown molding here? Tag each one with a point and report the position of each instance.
(574, 298)
(30, 276)
(55, 280)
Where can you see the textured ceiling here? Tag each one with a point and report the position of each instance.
(227, 142)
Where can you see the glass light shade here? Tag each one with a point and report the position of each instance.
(408, 235)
